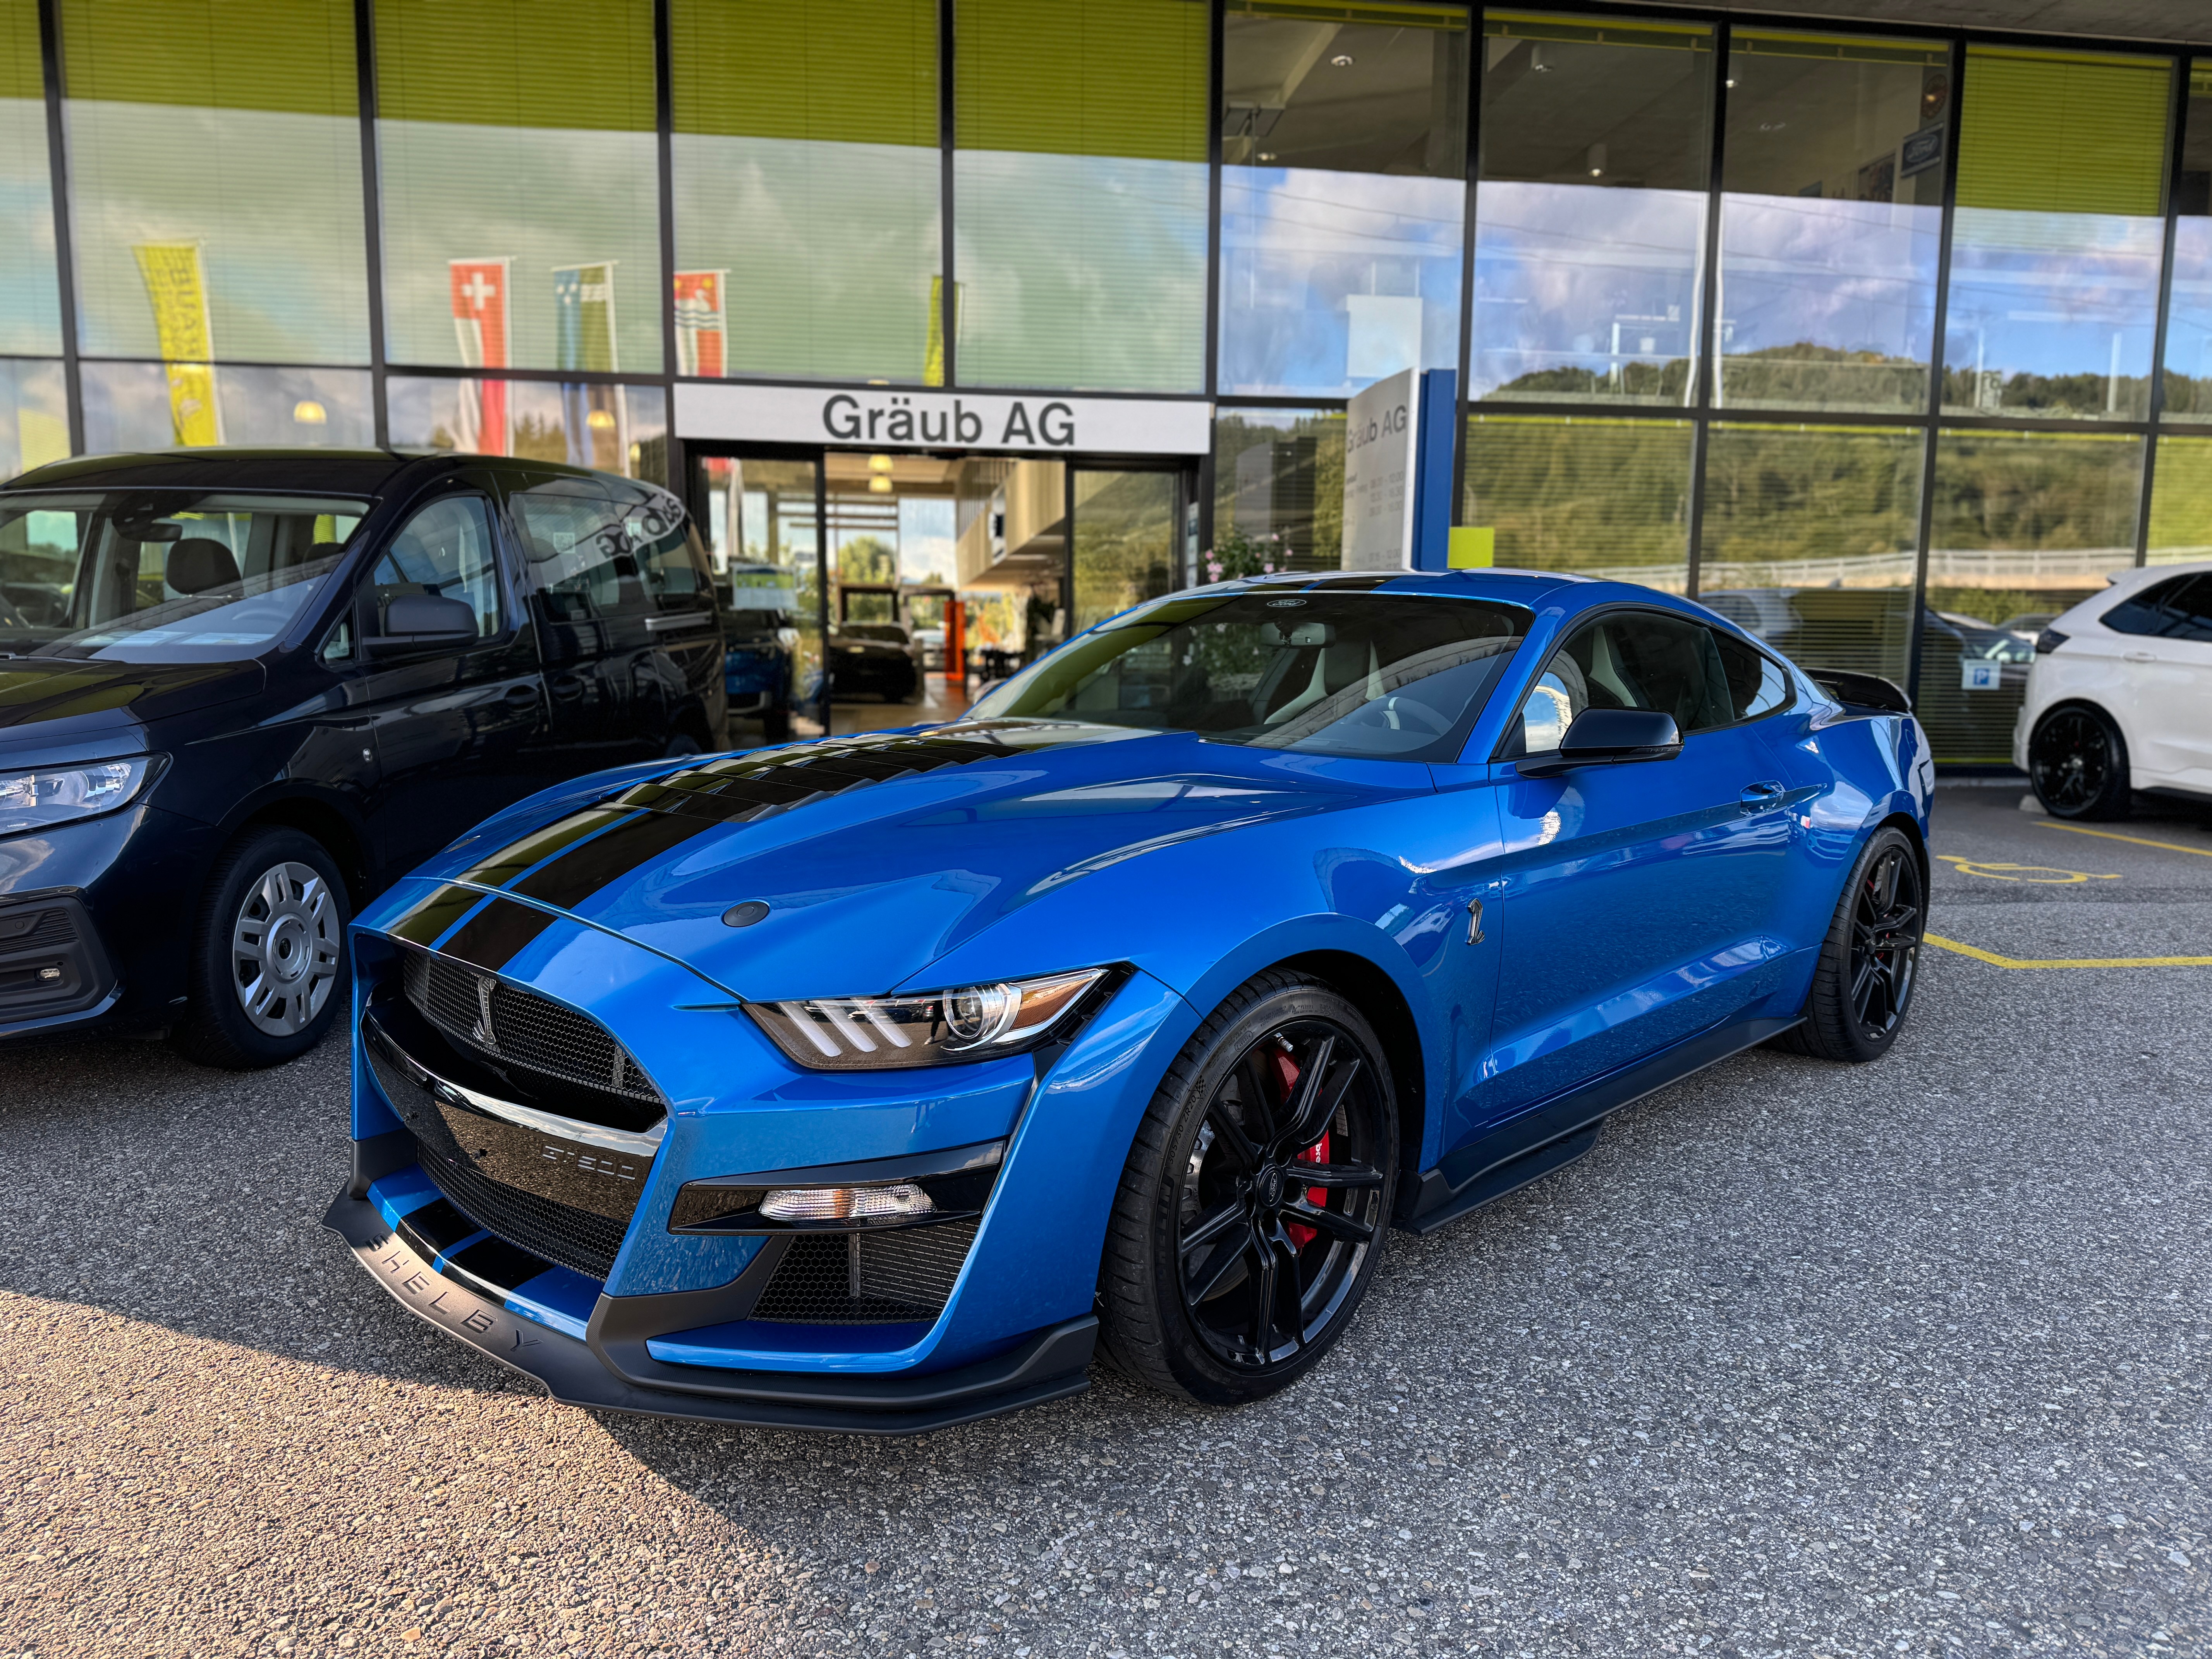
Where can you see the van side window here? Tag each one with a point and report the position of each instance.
(601, 548)
(446, 549)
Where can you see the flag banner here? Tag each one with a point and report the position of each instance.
(932, 358)
(702, 328)
(584, 314)
(176, 288)
(480, 320)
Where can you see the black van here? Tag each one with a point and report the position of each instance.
(242, 690)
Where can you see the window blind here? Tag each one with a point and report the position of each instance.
(2061, 132)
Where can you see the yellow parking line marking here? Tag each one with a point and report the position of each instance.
(2107, 835)
(2032, 875)
(1997, 961)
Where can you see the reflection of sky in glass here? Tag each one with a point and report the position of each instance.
(126, 406)
(30, 304)
(1086, 272)
(2189, 316)
(34, 418)
(1857, 276)
(2051, 294)
(1581, 277)
(541, 197)
(830, 249)
(272, 196)
(1310, 261)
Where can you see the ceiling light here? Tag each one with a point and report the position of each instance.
(1342, 60)
(879, 485)
(880, 464)
(600, 419)
(1267, 156)
(309, 412)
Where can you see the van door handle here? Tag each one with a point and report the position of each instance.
(2138, 656)
(521, 694)
(1757, 797)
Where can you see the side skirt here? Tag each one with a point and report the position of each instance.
(1555, 1134)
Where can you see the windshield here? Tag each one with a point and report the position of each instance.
(162, 576)
(1387, 675)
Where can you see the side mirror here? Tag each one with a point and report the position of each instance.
(422, 622)
(1609, 737)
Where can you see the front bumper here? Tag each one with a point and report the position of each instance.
(609, 1368)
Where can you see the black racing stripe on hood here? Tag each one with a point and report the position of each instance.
(490, 938)
(539, 845)
(428, 921)
(584, 869)
(744, 787)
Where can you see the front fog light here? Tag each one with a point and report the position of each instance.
(900, 1202)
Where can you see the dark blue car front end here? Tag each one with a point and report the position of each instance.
(585, 1137)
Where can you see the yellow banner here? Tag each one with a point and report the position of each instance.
(178, 291)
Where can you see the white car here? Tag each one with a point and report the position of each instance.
(2120, 696)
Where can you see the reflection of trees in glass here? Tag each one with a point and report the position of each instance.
(1573, 495)
(1790, 495)
(1124, 541)
(2121, 395)
(1298, 482)
(867, 559)
(1803, 376)
(1665, 382)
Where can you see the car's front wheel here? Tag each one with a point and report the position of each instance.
(1250, 1216)
(2077, 763)
(267, 973)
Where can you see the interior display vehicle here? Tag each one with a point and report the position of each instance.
(274, 679)
(2120, 696)
(760, 635)
(872, 1083)
(876, 658)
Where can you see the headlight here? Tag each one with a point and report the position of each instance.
(39, 800)
(935, 1028)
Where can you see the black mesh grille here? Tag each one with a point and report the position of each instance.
(574, 1238)
(869, 1278)
(524, 1029)
(30, 929)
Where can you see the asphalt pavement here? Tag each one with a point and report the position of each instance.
(1807, 1360)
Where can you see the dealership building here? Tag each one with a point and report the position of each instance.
(1888, 340)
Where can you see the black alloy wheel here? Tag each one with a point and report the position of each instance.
(1868, 966)
(2077, 763)
(1251, 1214)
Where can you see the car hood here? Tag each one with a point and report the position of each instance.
(65, 703)
(877, 854)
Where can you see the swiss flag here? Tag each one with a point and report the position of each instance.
(480, 317)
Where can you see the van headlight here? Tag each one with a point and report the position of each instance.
(930, 1028)
(62, 794)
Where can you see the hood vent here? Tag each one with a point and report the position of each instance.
(745, 788)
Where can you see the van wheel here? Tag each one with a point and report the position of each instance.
(268, 971)
(1250, 1217)
(2077, 763)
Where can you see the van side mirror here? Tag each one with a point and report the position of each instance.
(1609, 737)
(422, 622)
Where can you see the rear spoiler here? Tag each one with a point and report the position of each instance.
(1861, 691)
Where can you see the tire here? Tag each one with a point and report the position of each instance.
(2077, 763)
(1863, 984)
(1288, 1046)
(302, 975)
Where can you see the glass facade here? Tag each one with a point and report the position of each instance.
(1690, 271)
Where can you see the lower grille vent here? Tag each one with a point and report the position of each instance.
(867, 1278)
(574, 1238)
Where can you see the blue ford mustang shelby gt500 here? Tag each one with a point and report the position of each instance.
(869, 1083)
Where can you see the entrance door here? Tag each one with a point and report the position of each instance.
(1131, 530)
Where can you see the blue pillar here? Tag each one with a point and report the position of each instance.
(1432, 469)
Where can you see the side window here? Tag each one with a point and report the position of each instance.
(599, 547)
(1756, 684)
(446, 549)
(2148, 612)
(1635, 659)
(2191, 605)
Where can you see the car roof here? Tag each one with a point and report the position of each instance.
(1510, 587)
(340, 471)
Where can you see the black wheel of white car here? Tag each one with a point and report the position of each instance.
(269, 968)
(2077, 763)
(1250, 1217)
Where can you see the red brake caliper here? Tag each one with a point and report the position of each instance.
(1287, 1069)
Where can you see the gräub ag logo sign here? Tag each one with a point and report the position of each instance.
(895, 418)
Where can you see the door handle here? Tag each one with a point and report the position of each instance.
(1474, 921)
(2138, 656)
(1757, 797)
(521, 694)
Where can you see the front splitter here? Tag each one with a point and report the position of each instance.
(1050, 1365)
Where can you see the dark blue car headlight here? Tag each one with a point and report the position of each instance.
(929, 1028)
(48, 796)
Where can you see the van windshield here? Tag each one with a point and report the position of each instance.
(1399, 677)
(162, 576)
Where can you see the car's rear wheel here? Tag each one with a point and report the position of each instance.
(1868, 969)
(1250, 1217)
(2077, 763)
(268, 972)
